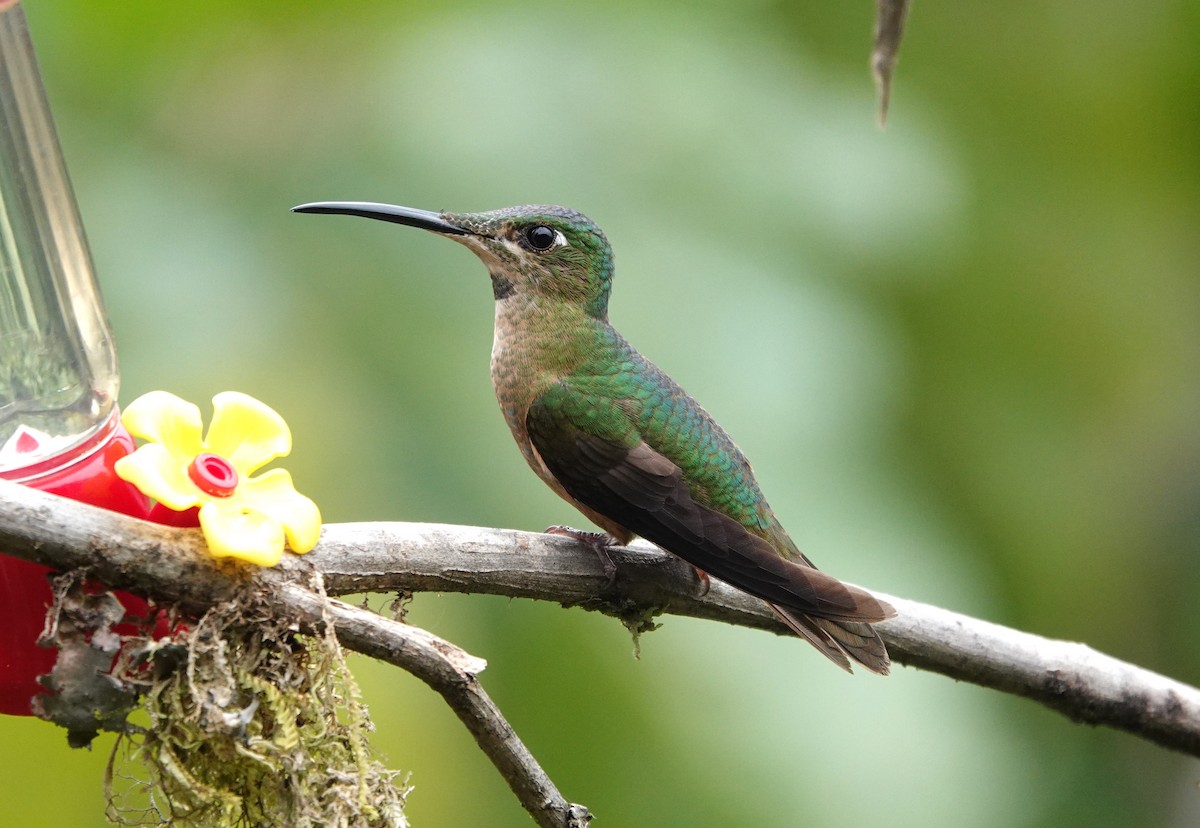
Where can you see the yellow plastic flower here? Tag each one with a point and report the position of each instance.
(242, 516)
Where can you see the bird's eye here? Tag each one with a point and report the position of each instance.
(541, 238)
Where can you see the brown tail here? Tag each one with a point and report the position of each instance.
(839, 640)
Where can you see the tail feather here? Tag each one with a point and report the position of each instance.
(840, 640)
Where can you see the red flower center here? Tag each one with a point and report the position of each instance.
(213, 474)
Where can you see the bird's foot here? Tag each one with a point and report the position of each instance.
(599, 542)
(705, 581)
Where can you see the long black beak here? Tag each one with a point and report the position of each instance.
(385, 212)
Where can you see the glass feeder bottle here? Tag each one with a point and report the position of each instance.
(59, 424)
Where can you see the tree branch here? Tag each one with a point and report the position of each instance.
(1085, 685)
(172, 565)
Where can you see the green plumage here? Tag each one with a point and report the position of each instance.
(615, 436)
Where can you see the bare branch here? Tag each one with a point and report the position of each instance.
(1085, 685)
(171, 565)
(453, 673)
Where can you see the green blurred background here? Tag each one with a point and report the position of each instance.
(963, 352)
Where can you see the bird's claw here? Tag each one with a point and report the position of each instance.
(599, 542)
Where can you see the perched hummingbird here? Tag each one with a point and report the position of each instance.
(616, 437)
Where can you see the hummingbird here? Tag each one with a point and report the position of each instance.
(617, 438)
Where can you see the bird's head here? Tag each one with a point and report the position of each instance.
(532, 252)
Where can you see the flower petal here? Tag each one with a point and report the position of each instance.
(162, 417)
(161, 474)
(246, 432)
(273, 494)
(232, 532)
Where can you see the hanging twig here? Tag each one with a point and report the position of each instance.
(889, 29)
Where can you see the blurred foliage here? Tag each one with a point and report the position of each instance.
(964, 353)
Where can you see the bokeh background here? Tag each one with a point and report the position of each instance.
(963, 352)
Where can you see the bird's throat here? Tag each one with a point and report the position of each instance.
(537, 342)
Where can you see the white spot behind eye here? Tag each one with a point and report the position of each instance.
(559, 239)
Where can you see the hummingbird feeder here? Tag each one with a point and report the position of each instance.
(60, 429)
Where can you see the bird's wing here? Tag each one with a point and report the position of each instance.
(590, 445)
